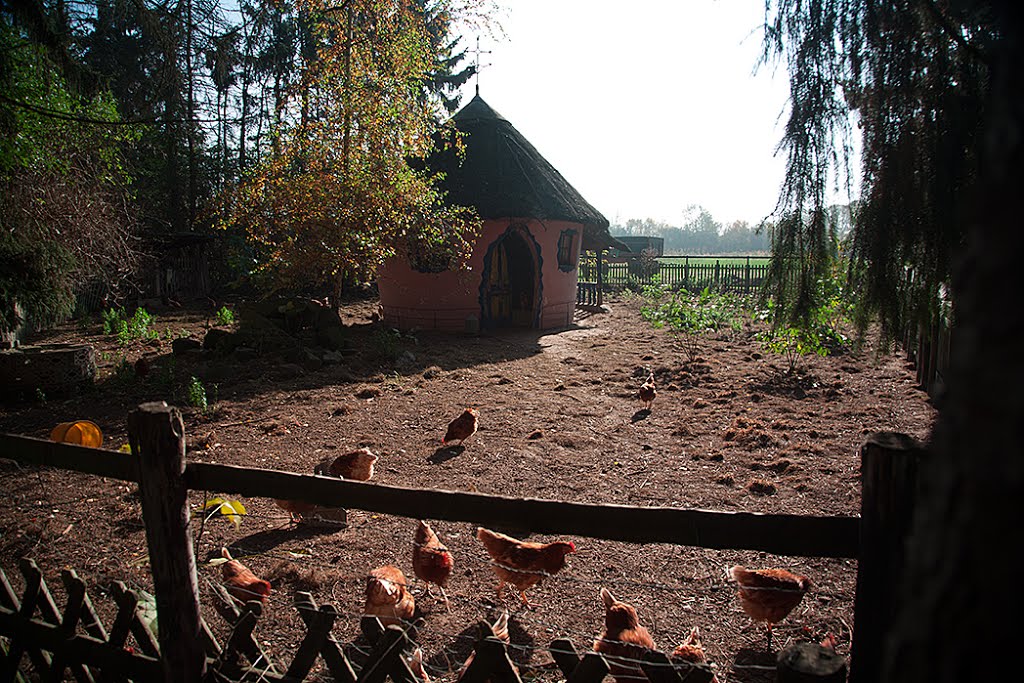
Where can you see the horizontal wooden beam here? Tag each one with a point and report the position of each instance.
(781, 534)
(67, 456)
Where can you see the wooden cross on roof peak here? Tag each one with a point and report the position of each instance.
(476, 62)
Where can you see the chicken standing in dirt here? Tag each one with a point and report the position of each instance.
(523, 563)
(295, 508)
(648, 392)
(241, 583)
(388, 597)
(623, 639)
(431, 560)
(769, 595)
(356, 465)
(462, 427)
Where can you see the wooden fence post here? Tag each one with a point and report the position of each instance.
(157, 437)
(890, 463)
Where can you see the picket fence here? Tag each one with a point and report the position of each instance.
(720, 275)
(186, 650)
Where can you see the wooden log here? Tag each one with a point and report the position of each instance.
(25, 609)
(564, 653)
(127, 602)
(48, 611)
(242, 640)
(80, 649)
(385, 659)
(793, 535)
(782, 534)
(810, 663)
(890, 464)
(157, 435)
(658, 669)
(592, 669)
(4, 653)
(337, 663)
(143, 635)
(66, 456)
(318, 628)
(241, 643)
(373, 629)
(490, 663)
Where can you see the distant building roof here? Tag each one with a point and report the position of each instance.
(504, 176)
(638, 243)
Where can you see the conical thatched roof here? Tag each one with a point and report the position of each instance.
(504, 176)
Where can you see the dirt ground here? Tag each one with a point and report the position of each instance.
(728, 431)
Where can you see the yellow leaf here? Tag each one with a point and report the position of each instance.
(231, 509)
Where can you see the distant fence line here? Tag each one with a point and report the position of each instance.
(742, 275)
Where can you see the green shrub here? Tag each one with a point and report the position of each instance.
(196, 393)
(117, 322)
(225, 316)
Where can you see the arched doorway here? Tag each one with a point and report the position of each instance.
(510, 288)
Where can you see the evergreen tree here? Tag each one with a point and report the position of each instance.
(939, 91)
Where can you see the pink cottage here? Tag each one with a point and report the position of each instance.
(523, 270)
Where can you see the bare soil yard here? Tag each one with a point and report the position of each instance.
(729, 431)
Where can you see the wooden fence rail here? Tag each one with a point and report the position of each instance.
(158, 464)
(780, 534)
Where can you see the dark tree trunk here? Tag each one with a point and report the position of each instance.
(190, 130)
(959, 584)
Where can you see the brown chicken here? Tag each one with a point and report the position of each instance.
(295, 508)
(356, 465)
(388, 597)
(142, 366)
(431, 560)
(648, 392)
(691, 651)
(462, 427)
(240, 582)
(500, 630)
(623, 639)
(522, 563)
(769, 595)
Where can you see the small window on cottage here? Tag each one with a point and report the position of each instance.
(566, 252)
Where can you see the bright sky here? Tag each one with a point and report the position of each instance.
(644, 106)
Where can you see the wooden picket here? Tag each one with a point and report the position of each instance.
(54, 641)
(721, 275)
(75, 640)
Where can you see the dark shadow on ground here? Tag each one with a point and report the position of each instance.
(445, 453)
(753, 666)
(641, 414)
(268, 539)
(365, 353)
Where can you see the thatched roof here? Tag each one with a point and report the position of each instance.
(504, 176)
